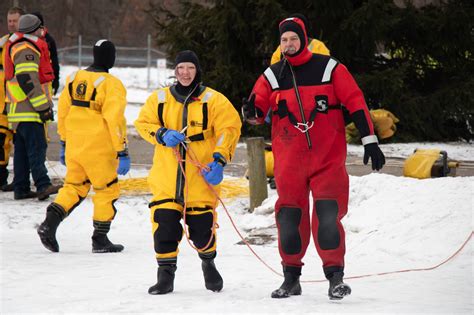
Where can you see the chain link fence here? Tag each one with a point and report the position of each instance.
(148, 57)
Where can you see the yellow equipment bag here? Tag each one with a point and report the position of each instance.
(269, 161)
(384, 123)
(384, 126)
(427, 163)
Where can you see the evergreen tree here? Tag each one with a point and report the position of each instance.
(415, 62)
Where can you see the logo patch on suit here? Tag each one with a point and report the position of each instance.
(286, 135)
(81, 90)
(29, 57)
(195, 123)
(322, 103)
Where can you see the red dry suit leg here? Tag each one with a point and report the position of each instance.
(321, 171)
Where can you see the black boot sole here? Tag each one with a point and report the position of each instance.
(47, 241)
(155, 291)
(339, 292)
(107, 250)
(283, 293)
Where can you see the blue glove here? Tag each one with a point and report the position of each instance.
(216, 170)
(124, 162)
(62, 153)
(169, 137)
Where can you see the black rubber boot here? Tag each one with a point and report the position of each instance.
(165, 283)
(3, 175)
(47, 230)
(291, 284)
(337, 288)
(100, 241)
(212, 278)
(8, 187)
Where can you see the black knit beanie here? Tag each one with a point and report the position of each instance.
(188, 56)
(290, 24)
(104, 54)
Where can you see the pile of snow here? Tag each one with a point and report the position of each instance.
(394, 223)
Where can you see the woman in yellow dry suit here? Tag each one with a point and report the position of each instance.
(93, 133)
(203, 126)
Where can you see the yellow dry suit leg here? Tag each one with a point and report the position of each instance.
(168, 231)
(76, 187)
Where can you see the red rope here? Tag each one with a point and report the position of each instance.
(214, 223)
(417, 269)
(200, 167)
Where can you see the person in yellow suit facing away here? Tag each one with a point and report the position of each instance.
(314, 45)
(202, 126)
(92, 128)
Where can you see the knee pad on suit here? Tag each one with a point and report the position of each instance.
(289, 221)
(328, 232)
(200, 228)
(169, 231)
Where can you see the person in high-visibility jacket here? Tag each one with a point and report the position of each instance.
(188, 123)
(6, 135)
(314, 45)
(28, 74)
(92, 128)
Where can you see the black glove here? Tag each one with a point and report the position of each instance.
(249, 112)
(55, 86)
(46, 115)
(373, 151)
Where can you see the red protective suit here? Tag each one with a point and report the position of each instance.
(310, 151)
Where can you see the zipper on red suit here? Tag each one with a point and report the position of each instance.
(300, 105)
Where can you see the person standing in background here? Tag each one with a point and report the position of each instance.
(6, 135)
(28, 74)
(53, 53)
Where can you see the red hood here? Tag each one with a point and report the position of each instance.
(304, 55)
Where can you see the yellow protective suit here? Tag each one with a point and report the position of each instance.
(315, 46)
(91, 122)
(6, 135)
(211, 117)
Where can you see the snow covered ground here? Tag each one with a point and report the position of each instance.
(393, 224)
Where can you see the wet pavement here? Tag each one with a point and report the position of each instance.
(141, 153)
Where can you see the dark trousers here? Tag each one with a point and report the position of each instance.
(30, 154)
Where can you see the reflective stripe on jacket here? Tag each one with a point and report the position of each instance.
(25, 94)
(46, 73)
